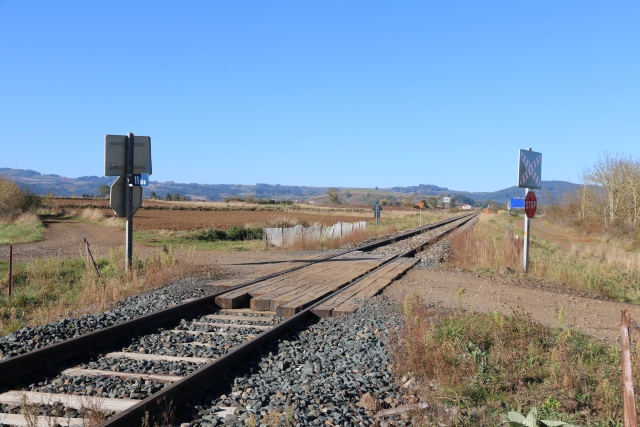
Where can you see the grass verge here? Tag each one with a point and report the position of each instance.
(26, 228)
(165, 238)
(474, 368)
(491, 246)
(43, 292)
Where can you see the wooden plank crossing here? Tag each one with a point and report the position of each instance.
(288, 293)
(289, 304)
(239, 297)
(337, 273)
(349, 300)
(224, 284)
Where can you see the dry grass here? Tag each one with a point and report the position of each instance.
(604, 268)
(27, 218)
(41, 295)
(487, 246)
(487, 364)
(90, 214)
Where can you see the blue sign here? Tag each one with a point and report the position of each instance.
(140, 180)
(516, 203)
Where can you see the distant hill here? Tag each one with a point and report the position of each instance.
(61, 186)
(57, 185)
(551, 192)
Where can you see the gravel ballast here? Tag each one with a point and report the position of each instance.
(335, 371)
(31, 338)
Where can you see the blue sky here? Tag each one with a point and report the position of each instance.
(322, 93)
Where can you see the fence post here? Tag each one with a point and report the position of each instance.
(627, 377)
(10, 269)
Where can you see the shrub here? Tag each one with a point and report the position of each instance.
(235, 233)
(15, 201)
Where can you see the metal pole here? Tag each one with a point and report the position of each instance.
(10, 269)
(526, 237)
(128, 200)
(420, 217)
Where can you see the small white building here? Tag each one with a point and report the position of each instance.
(466, 207)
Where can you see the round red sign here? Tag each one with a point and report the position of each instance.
(530, 204)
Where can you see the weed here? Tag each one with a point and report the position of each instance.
(562, 317)
(92, 411)
(485, 364)
(30, 411)
(461, 293)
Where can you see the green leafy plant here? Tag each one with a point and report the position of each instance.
(516, 419)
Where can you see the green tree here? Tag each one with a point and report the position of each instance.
(103, 190)
(175, 197)
(334, 196)
(432, 201)
(168, 196)
(183, 198)
(153, 195)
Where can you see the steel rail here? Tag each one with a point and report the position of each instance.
(15, 367)
(201, 379)
(24, 364)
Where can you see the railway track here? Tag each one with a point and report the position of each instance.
(176, 353)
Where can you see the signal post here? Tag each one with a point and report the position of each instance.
(129, 158)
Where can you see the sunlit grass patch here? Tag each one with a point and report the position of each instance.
(25, 229)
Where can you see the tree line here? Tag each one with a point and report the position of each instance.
(610, 190)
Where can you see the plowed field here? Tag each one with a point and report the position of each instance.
(197, 220)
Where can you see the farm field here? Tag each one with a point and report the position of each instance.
(191, 220)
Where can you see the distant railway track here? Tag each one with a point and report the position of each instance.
(216, 331)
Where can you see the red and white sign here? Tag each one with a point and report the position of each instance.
(530, 204)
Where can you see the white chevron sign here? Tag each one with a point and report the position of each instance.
(529, 169)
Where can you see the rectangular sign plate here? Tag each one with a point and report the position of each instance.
(115, 155)
(529, 169)
(446, 200)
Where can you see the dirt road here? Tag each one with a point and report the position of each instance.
(67, 235)
(594, 316)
